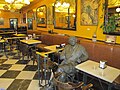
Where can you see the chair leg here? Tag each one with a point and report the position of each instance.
(35, 61)
(87, 86)
(27, 57)
(23, 56)
(19, 55)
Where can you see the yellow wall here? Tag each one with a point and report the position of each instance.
(82, 31)
(6, 15)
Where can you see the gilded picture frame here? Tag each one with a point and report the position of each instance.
(89, 12)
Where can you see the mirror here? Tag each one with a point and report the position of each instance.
(24, 18)
(41, 15)
(13, 23)
(30, 17)
(113, 9)
(65, 14)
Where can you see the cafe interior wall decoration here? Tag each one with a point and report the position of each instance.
(89, 12)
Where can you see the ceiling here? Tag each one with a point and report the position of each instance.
(3, 3)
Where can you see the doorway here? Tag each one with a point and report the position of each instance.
(13, 24)
(30, 23)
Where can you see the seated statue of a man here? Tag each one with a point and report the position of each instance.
(72, 55)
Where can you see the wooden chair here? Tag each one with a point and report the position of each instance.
(86, 87)
(67, 86)
(44, 66)
(70, 85)
(24, 49)
(33, 55)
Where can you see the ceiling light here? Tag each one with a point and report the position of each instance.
(16, 4)
(9, 1)
(26, 1)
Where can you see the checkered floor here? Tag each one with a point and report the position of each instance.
(18, 74)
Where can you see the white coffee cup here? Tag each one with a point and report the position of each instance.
(26, 38)
(34, 35)
(29, 36)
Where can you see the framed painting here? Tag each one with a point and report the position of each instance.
(1, 21)
(89, 12)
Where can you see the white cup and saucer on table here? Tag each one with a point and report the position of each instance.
(29, 36)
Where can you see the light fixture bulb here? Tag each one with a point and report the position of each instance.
(26, 1)
(73, 15)
(64, 4)
(19, 0)
(9, 1)
(118, 9)
(58, 4)
(18, 3)
(68, 4)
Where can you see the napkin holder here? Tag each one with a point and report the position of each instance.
(103, 64)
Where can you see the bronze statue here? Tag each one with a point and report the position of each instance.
(72, 55)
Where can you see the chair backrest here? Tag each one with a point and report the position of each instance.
(18, 44)
(67, 85)
(23, 48)
(33, 53)
(1, 46)
(64, 86)
(87, 86)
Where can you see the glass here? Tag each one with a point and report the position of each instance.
(14, 23)
(102, 72)
(41, 15)
(65, 14)
(30, 17)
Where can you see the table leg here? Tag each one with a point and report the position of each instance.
(45, 75)
(110, 86)
(58, 58)
(85, 81)
(84, 78)
(5, 50)
(38, 56)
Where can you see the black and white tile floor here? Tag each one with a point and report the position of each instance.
(18, 74)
